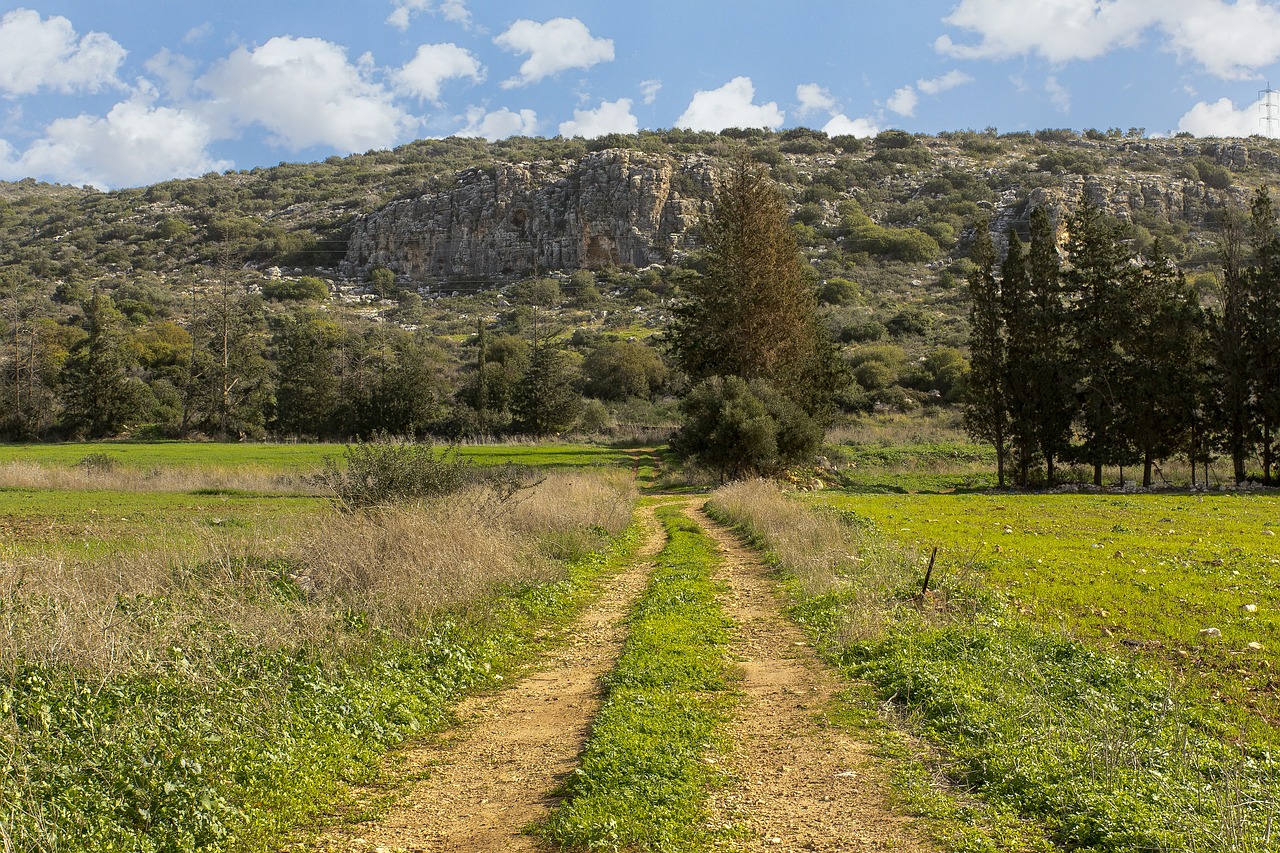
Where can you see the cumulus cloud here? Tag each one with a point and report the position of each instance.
(432, 65)
(842, 125)
(174, 71)
(555, 46)
(730, 106)
(450, 10)
(133, 145)
(904, 101)
(1058, 94)
(1221, 118)
(305, 92)
(649, 90)
(1230, 40)
(38, 54)
(814, 99)
(945, 83)
(499, 124)
(609, 117)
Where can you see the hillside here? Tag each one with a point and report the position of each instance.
(424, 241)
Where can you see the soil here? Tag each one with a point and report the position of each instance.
(797, 782)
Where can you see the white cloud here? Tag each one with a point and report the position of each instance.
(555, 46)
(1229, 40)
(433, 64)
(450, 10)
(174, 71)
(499, 124)
(945, 83)
(1221, 118)
(1058, 94)
(305, 92)
(904, 101)
(610, 117)
(730, 106)
(133, 145)
(40, 54)
(814, 99)
(649, 90)
(842, 125)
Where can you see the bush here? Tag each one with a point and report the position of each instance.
(740, 430)
(384, 472)
(308, 288)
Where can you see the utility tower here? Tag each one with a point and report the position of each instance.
(1269, 106)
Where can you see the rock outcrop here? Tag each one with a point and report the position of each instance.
(610, 208)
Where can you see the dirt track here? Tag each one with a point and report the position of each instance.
(800, 783)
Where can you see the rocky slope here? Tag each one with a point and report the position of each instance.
(609, 208)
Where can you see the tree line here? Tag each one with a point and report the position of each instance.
(1097, 356)
(241, 366)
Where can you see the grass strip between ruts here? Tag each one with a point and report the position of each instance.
(644, 778)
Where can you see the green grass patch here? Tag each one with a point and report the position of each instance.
(1065, 745)
(1127, 572)
(642, 782)
(285, 457)
(931, 467)
(219, 747)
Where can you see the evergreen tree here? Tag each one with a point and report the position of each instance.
(1262, 313)
(546, 400)
(307, 354)
(986, 413)
(1100, 278)
(754, 313)
(1229, 339)
(1020, 379)
(1052, 396)
(100, 394)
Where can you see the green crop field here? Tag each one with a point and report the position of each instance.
(285, 457)
(1144, 572)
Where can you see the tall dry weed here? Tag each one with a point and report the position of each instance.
(822, 553)
(32, 475)
(299, 585)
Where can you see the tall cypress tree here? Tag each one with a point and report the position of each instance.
(1052, 396)
(1020, 377)
(100, 394)
(1099, 278)
(986, 414)
(1262, 313)
(1229, 328)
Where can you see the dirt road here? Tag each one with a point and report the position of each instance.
(801, 784)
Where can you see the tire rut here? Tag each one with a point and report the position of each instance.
(797, 781)
(484, 780)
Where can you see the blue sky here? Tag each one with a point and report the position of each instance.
(116, 93)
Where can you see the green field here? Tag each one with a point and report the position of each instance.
(287, 457)
(1144, 572)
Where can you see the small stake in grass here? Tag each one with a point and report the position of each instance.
(928, 574)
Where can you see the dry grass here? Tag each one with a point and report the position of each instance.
(822, 554)
(304, 584)
(900, 430)
(33, 475)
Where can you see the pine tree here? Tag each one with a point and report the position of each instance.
(753, 314)
(100, 394)
(986, 414)
(1229, 340)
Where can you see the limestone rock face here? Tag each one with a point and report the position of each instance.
(516, 219)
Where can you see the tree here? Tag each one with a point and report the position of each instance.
(1019, 368)
(617, 370)
(545, 400)
(100, 395)
(753, 313)
(1051, 399)
(307, 355)
(986, 413)
(1100, 277)
(1262, 315)
(1229, 340)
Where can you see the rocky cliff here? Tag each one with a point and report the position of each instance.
(609, 208)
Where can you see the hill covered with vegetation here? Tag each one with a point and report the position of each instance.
(414, 290)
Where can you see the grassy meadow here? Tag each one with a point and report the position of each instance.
(199, 651)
